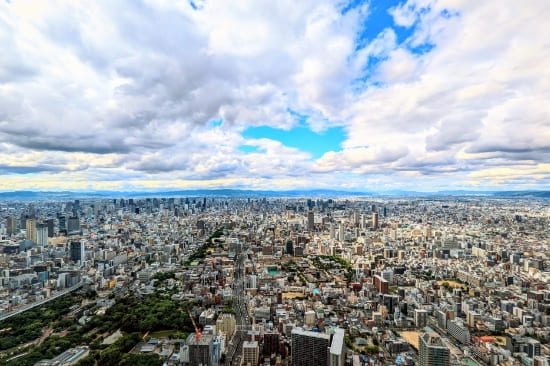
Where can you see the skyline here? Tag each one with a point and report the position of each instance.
(420, 95)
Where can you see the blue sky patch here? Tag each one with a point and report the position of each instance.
(301, 138)
(215, 123)
(249, 149)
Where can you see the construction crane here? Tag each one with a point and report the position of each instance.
(198, 334)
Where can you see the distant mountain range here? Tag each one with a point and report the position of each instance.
(315, 193)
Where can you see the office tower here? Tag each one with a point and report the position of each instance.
(375, 220)
(289, 247)
(49, 224)
(251, 353)
(373, 208)
(356, 218)
(533, 348)
(41, 234)
(73, 224)
(310, 220)
(432, 350)
(332, 231)
(271, 343)
(337, 348)
(341, 233)
(76, 207)
(381, 284)
(420, 318)
(385, 211)
(31, 230)
(11, 225)
(62, 224)
(200, 349)
(226, 323)
(77, 252)
(310, 348)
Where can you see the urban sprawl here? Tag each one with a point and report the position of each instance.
(437, 280)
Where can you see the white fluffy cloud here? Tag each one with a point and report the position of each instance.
(123, 94)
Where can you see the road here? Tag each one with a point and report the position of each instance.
(41, 302)
(234, 351)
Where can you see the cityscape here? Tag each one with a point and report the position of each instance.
(274, 183)
(430, 280)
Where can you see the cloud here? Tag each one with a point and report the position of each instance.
(126, 91)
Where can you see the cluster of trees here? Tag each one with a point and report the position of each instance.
(334, 262)
(117, 354)
(364, 350)
(28, 326)
(133, 315)
(201, 253)
(148, 314)
(163, 276)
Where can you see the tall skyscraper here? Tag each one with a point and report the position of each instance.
(41, 234)
(77, 251)
(310, 220)
(432, 350)
(49, 224)
(341, 232)
(73, 224)
(31, 230)
(289, 249)
(200, 349)
(310, 348)
(62, 224)
(11, 225)
(375, 220)
(337, 348)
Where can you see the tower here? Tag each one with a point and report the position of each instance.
(31, 230)
(310, 220)
(11, 225)
(432, 350)
(375, 220)
(42, 235)
(77, 252)
(310, 348)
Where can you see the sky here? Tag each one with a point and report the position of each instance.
(420, 95)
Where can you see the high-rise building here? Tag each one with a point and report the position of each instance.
(41, 234)
(337, 348)
(200, 349)
(375, 220)
(62, 224)
(73, 224)
(420, 318)
(289, 247)
(341, 232)
(31, 230)
(432, 350)
(310, 220)
(77, 251)
(251, 353)
(226, 323)
(310, 348)
(271, 343)
(381, 284)
(11, 225)
(49, 224)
